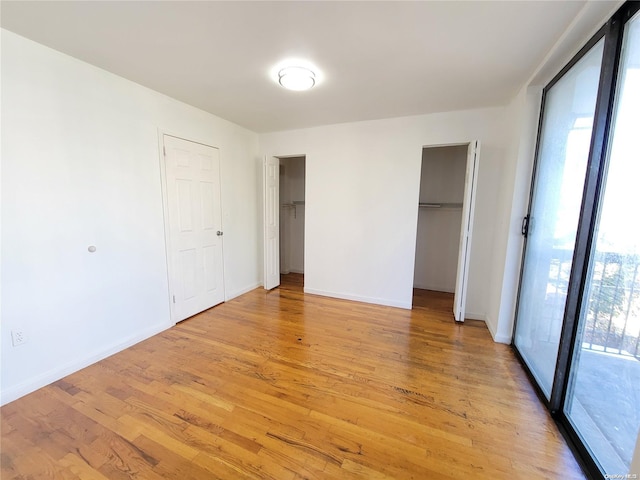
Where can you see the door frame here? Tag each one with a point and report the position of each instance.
(468, 206)
(165, 218)
(265, 258)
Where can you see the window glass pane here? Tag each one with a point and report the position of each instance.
(603, 399)
(557, 195)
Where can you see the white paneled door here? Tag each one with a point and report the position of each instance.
(194, 226)
(271, 222)
(468, 207)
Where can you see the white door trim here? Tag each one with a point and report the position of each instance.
(466, 227)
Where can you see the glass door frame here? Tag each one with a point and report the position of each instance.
(612, 32)
(528, 221)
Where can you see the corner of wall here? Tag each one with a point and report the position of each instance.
(497, 337)
(524, 110)
(242, 291)
(65, 195)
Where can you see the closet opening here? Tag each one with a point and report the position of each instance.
(445, 216)
(292, 219)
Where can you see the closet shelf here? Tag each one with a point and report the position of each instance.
(439, 205)
(295, 204)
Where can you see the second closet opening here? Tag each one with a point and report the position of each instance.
(442, 190)
(292, 215)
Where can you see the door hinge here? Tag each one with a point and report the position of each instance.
(174, 299)
(164, 151)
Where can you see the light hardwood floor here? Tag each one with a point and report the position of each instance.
(283, 385)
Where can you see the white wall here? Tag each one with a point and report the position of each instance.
(80, 167)
(513, 194)
(362, 201)
(442, 180)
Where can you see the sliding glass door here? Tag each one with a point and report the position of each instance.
(603, 398)
(551, 226)
(577, 326)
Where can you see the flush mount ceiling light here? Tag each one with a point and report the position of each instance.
(296, 78)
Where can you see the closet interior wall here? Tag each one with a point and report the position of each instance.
(292, 210)
(440, 217)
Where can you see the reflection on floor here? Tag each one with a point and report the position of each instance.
(279, 384)
(441, 302)
(292, 281)
(438, 302)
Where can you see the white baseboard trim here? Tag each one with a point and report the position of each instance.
(435, 288)
(497, 338)
(13, 393)
(242, 291)
(475, 316)
(358, 298)
(295, 270)
(506, 339)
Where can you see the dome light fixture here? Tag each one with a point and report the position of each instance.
(296, 78)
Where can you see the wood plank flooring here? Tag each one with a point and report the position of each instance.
(282, 385)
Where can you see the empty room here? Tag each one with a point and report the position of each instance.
(319, 239)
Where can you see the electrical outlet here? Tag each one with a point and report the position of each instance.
(18, 337)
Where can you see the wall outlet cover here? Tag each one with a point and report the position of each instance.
(18, 337)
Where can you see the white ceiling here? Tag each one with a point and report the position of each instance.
(378, 59)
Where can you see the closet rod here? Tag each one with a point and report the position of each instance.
(440, 205)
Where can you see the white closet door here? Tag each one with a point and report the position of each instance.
(194, 237)
(468, 206)
(271, 222)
